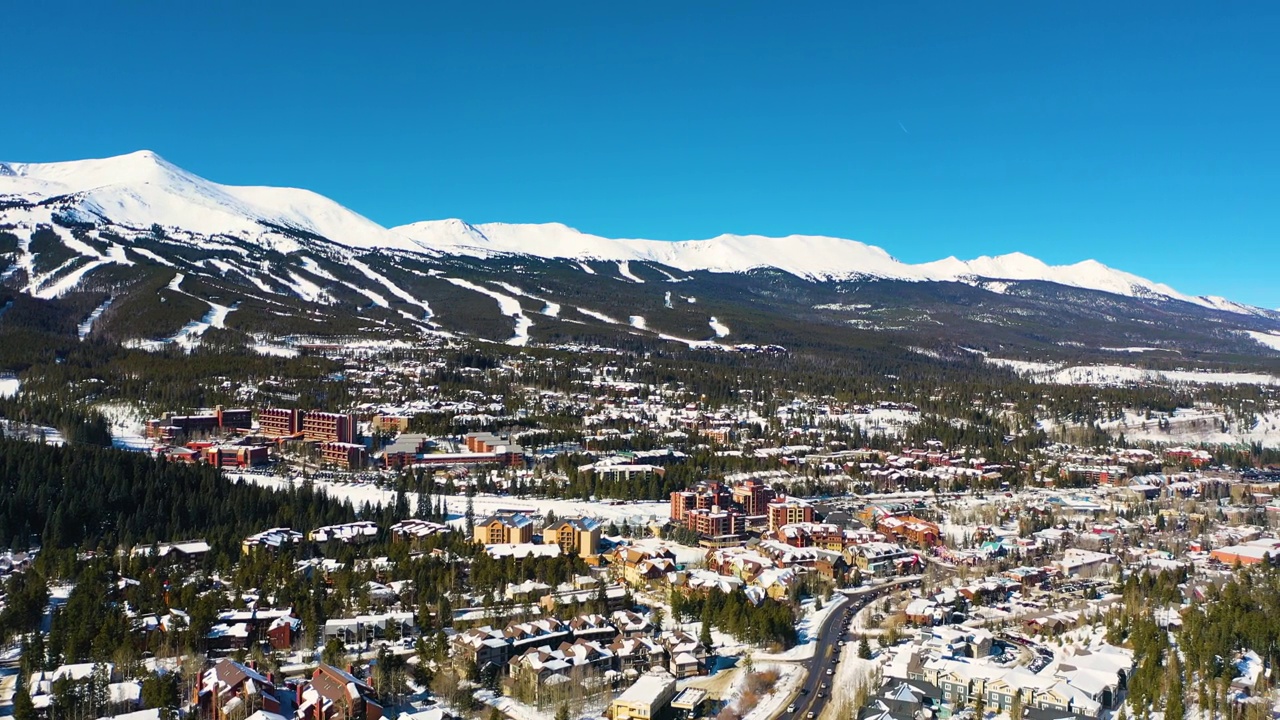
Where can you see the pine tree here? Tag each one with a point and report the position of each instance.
(23, 708)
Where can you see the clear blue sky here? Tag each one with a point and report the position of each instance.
(1142, 134)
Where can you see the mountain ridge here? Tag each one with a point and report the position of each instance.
(142, 188)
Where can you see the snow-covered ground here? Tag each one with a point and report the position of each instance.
(126, 423)
(1110, 375)
(719, 328)
(624, 269)
(9, 386)
(635, 513)
(598, 316)
(86, 326)
(1193, 426)
(1271, 340)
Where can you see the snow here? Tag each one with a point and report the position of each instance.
(1195, 426)
(308, 290)
(188, 337)
(637, 322)
(313, 267)
(139, 189)
(1112, 375)
(624, 269)
(1271, 340)
(9, 386)
(806, 256)
(68, 281)
(142, 188)
(719, 328)
(550, 309)
(376, 298)
(633, 513)
(86, 326)
(507, 305)
(790, 679)
(390, 286)
(275, 350)
(598, 316)
(807, 630)
(150, 255)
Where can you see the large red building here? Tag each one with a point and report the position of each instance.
(328, 427)
(280, 422)
(788, 511)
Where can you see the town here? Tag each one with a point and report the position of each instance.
(540, 540)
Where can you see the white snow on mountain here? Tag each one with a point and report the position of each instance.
(812, 257)
(141, 189)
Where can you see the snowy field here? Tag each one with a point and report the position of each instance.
(1110, 375)
(632, 513)
(1191, 426)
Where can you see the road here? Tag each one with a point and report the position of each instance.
(816, 691)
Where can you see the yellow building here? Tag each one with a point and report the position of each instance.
(647, 699)
(575, 535)
(504, 529)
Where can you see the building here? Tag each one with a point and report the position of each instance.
(1249, 553)
(504, 450)
(623, 473)
(272, 540)
(405, 450)
(647, 699)
(390, 423)
(788, 511)
(237, 456)
(279, 422)
(327, 427)
(335, 694)
(345, 455)
(229, 688)
(753, 496)
(574, 535)
(504, 529)
(715, 523)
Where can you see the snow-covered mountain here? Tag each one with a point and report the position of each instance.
(149, 251)
(141, 189)
(807, 256)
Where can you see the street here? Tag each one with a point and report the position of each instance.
(816, 691)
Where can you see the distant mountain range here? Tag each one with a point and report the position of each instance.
(138, 232)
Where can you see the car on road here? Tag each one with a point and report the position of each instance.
(831, 671)
(791, 708)
(810, 715)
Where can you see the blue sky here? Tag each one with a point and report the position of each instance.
(1141, 134)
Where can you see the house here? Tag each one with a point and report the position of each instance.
(687, 656)
(640, 566)
(334, 694)
(230, 689)
(647, 699)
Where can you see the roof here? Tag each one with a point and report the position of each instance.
(647, 689)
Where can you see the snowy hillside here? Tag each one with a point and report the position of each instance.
(141, 189)
(806, 256)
